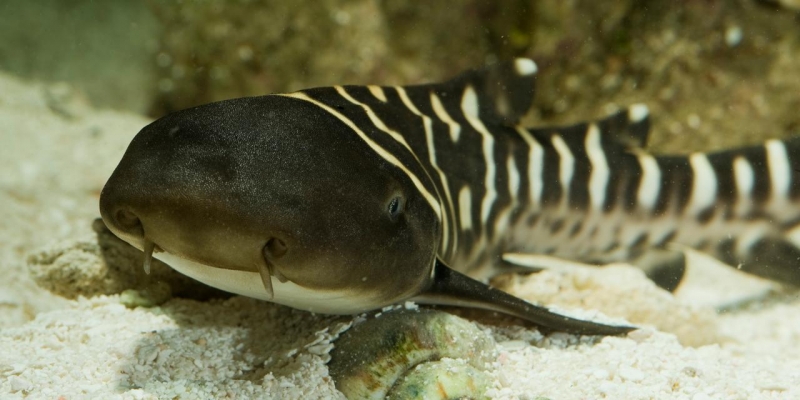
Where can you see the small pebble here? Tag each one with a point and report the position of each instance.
(600, 374)
(606, 387)
(320, 349)
(245, 53)
(693, 121)
(631, 374)
(733, 36)
(19, 384)
(514, 345)
(163, 60)
(701, 396)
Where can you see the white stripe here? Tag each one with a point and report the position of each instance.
(535, 166)
(780, 172)
(469, 105)
(426, 121)
(375, 120)
(566, 164)
(638, 112)
(445, 216)
(375, 147)
(745, 178)
(382, 126)
(704, 184)
(377, 91)
(650, 184)
(504, 216)
(438, 108)
(513, 178)
(598, 180)
(525, 66)
(465, 208)
(793, 236)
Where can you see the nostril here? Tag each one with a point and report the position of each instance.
(275, 248)
(128, 222)
(127, 219)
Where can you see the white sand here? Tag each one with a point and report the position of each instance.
(55, 162)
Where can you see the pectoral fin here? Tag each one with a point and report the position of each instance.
(453, 288)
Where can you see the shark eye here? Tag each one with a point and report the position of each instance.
(395, 208)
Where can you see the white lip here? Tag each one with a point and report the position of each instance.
(249, 284)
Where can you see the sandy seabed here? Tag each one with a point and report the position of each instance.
(56, 153)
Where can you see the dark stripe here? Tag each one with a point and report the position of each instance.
(521, 153)
(575, 229)
(575, 138)
(640, 241)
(676, 184)
(617, 133)
(556, 226)
(666, 238)
(618, 129)
(722, 164)
(705, 216)
(726, 252)
(623, 184)
(502, 148)
(551, 188)
(793, 152)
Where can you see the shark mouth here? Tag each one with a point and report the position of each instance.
(266, 270)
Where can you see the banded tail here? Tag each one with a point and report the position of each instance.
(740, 205)
(608, 200)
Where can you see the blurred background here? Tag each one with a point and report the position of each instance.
(714, 72)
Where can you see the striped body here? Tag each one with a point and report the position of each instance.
(586, 192)
(350, 198)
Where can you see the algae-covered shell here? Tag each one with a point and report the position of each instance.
(413, 354)
(444, 379)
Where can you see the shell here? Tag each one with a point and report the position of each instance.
(444, 379)
(413, 354)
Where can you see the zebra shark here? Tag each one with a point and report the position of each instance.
(346, 199)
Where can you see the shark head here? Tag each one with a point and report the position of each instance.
(274, 198)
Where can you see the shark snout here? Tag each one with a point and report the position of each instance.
(191, 229)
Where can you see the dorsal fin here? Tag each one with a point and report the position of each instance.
(628, 127)
(504, 91)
